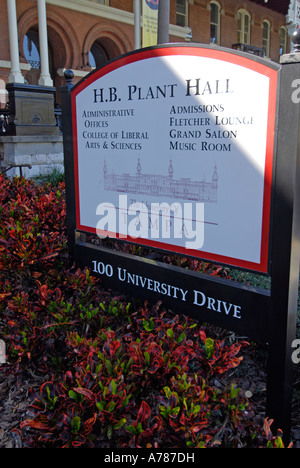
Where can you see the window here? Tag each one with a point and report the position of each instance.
(97, 56)
(181, 13)
(31, 48)
(283, 40)
(31, 51)
(266, 37)
(244, 23)
(215, 23)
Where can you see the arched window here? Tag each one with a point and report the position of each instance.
(97, 55)
(31, 48)
(266, 37)
(283, 40)
(215, 15)
(244, 27)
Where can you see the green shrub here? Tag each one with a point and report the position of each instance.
(115, 374)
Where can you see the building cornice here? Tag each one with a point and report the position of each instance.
(107, 12)
(7, 64)
(77, 73)
(96, 9)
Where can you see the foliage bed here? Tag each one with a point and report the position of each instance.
(115, 373)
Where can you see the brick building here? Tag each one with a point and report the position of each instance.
(81, 34)
(40, 39)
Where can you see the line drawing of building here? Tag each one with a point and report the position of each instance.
(163, 185)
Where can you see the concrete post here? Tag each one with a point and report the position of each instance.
(45, 78)
(163, 22)
(15, 72)
(137, 24)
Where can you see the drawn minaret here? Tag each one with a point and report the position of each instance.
(215, 179)
(171, 170)
(138, 168)
(105, 175)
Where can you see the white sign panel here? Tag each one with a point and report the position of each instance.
(174, 149)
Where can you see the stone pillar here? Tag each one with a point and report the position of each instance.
(163, 23)
(45, 79)
(31, 110)
(15, 73)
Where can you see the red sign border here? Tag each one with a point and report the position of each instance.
(227, 56)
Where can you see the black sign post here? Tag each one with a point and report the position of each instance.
(266, 316)
(285, 244)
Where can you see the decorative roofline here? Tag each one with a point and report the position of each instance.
(162, 185)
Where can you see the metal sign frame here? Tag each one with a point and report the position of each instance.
(267, 316)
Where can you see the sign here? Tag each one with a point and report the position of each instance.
(193, 150)
(200, 296)
(176, 150)
(150, 22)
